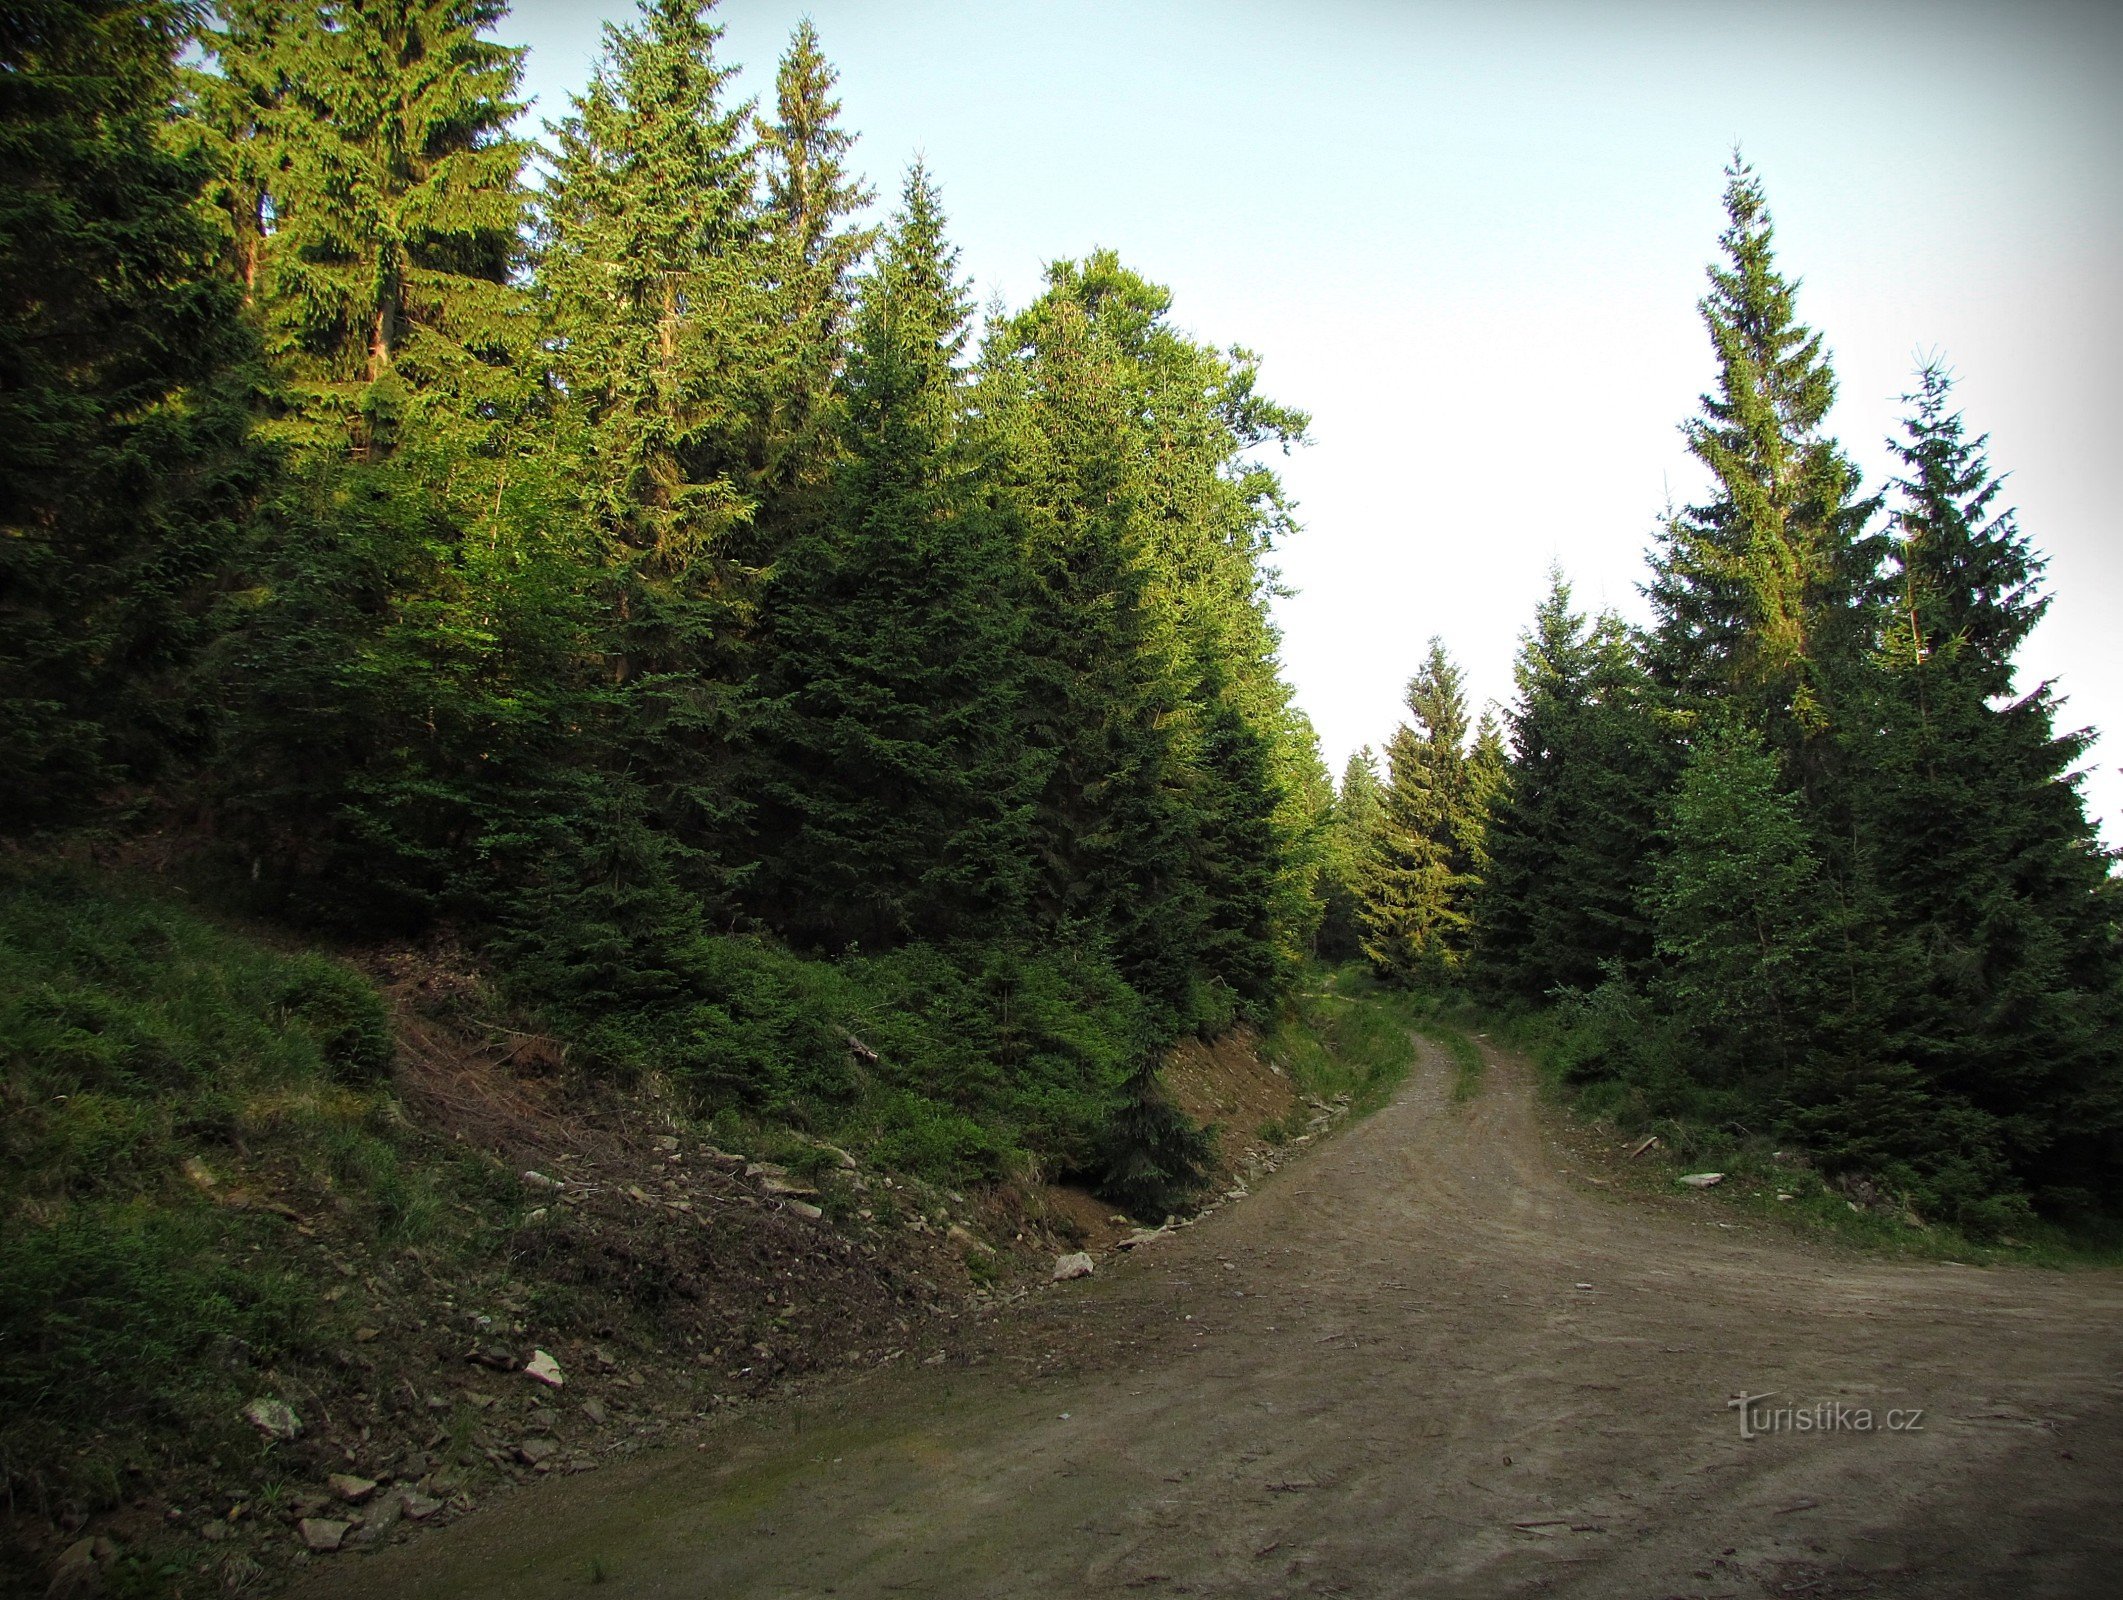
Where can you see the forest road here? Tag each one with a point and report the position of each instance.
(1431, 1357)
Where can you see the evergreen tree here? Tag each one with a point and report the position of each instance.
(1100, 665)
(896, 800)
(406, 668)
(655, 280)
(124, 469)
(382, 244)
(1353, 844)
(1418, 914)
(810, 195)
(1570, 842)
(1740, 929)
(1121, 452)
(1761, 593)
(653, 285)
(1993, 969)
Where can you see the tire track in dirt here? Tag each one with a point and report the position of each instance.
(1379, 1376)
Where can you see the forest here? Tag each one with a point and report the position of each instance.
(622, 558)
(1801, 860)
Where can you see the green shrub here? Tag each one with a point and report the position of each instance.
(344, 1016)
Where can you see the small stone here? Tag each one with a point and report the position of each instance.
(478, 1401)
(78, 1573)
(545, 1369)
(498, 1356)
(803, 1208)
(966, 1239)
(349, 1488)
(772, 1185)
(533, 1451)
(214, 1532)
(322, 1534)
(1079, 1265)
(541, 1419)
(1702, 1180)
(273, 1418)
(603, 1358)
(595, 1411)
(538, 1180)
(417, 1506)
(367, 1335)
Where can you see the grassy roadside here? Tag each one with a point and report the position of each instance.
(234, 1170)
(1767, 1183)
(1342, 1033)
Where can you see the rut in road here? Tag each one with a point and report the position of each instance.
(1381, 1376)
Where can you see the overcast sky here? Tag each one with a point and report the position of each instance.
(1469, 240)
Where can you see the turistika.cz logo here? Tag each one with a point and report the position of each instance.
(1823, 1416)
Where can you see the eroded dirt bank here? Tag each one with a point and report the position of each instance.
(1385, 1374)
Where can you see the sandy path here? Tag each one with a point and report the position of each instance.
(1379, 1376)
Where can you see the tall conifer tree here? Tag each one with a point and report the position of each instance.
(1761, 592)
(896, 797)
(1993, 968)
(392, 215)
(653, 280)
(1418, 914)
(1572, 838)
(1352, 849)
(811, 195)
(124, 472)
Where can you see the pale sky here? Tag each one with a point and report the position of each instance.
(1469, 240)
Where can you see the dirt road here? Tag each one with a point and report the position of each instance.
(1427, 1359)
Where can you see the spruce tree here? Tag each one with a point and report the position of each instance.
(1123, 452)
(895, 796)
(124, 467)
(393, 217)
(1993, 969)
(655, 284)
(811, 195)
(1742, 934)
(1761, 592)
(1352, 845)
(652, 281)
(1417, 915)
(1571, 840)
(408, 663)
(1099, 673)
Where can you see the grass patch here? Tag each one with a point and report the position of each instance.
(1466, 1057)
(158, 1073)
(1341, 1034)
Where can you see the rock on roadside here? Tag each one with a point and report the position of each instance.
(1079, 1265)
(322, 1534)
(275, 1419)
